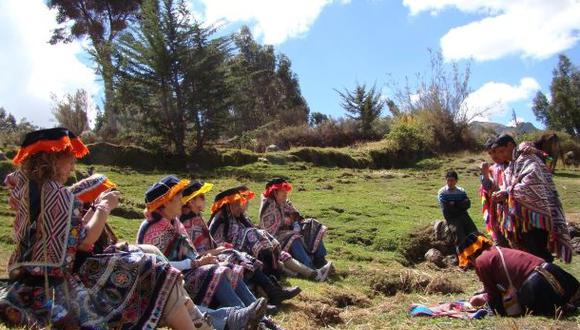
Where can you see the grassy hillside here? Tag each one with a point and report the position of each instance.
(370, 214)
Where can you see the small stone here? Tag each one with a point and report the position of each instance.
(451, 261)
(435, 256)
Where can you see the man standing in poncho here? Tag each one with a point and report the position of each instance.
(534, 220)
(493, 180)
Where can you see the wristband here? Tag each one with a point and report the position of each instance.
(104, 207)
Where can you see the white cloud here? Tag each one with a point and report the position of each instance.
(530, 28)
(273, 20)
(31, 68)
(495, 98)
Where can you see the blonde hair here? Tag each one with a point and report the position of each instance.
(42, 167)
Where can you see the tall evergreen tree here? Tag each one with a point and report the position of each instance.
(152, 70)
(205, 81)
(173, 75)
(294, 110)
(541, 107)
(563, 112)
(264, 87)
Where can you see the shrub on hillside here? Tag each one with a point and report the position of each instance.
(331, 158)
(429, 132)
(147, 141)
(211, 157)
(103, 153)
(331, 133)
(238, 157)
(408, 134)
(328, 133)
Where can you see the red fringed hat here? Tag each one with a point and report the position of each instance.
(276, 184)
(50, 140)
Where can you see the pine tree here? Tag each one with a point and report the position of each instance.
(563, 112)
(152, 72)
(173, 76)
(205, 81)
(264, 88)
(541, 107)
(363, 105)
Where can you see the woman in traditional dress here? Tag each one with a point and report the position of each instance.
(302, 238)
(207, 282)
(230, 224)
(192, 219)
(517, 282)
(88, 190)
(128, 291)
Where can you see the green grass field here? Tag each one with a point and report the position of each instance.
(369, 214)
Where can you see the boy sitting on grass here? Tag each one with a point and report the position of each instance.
(454, 204)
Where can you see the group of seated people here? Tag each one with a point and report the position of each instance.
(69, 270)
(524, 216)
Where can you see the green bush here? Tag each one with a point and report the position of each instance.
(6, 167)
(238, 157)
(404, 145)
(329, 157)
(130, 156)
(11, 153)
(211, 157)
(407, 136)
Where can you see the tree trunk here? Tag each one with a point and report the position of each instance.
(107, 73)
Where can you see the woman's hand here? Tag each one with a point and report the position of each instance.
(207, 260)
(478, 300)
(218, 250)
(499, 196)
(109, 198)
(107, 201)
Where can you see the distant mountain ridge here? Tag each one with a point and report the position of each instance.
(488, 128)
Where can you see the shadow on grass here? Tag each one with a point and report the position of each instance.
(567, 175)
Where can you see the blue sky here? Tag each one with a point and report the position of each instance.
(512, 46)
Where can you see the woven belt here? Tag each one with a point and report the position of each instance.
(554, 283)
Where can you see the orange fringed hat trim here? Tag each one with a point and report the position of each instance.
(161, 200)
(248, 195)
(226, 200)
(74, 145)
(243, 197)
(472, 248)
(92, 194)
